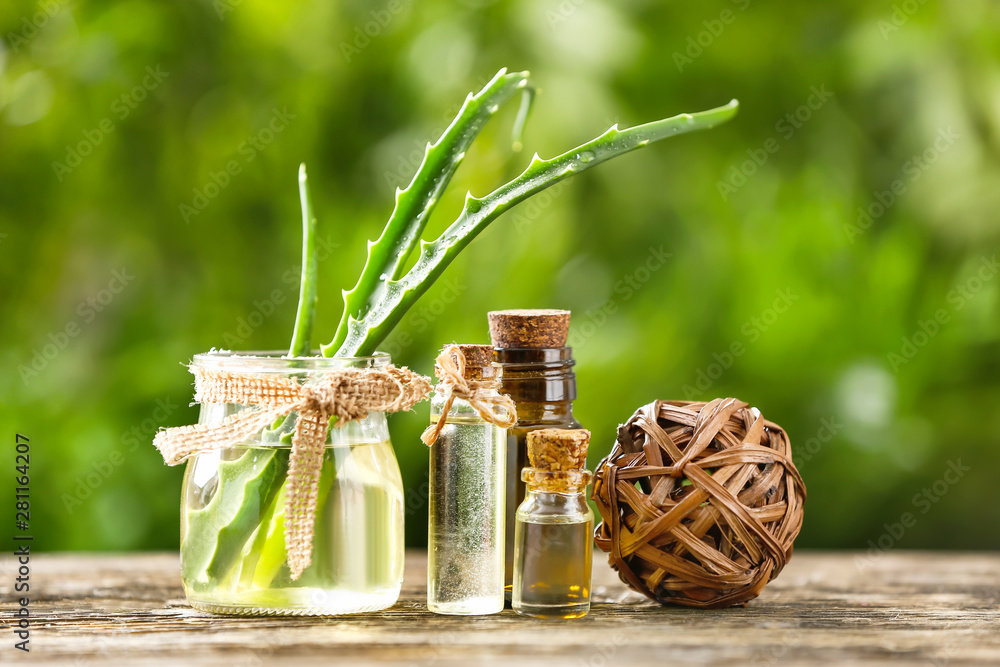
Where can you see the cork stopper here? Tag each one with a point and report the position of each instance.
(478, 361)
(529, 328)
(558, 450)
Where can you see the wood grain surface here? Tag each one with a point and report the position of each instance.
(904, 608)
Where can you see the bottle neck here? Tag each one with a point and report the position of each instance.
(556, 412)
(539, 376)
(460, 408)
(480, 379)
(563, 481)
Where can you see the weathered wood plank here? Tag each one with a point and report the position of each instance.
(825, 609)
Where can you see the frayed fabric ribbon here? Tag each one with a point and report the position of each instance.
(480, 394)
(346, 395)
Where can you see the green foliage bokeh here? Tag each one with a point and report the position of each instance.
(831, 250)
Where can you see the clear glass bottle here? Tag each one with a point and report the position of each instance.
(465, 557)
(233, 556)
(543, 385)
(553, 545)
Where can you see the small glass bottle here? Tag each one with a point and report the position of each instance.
(530, 346)
(465, 557)
(553, 534)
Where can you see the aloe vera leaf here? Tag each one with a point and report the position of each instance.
(305, 313)
(265, 556)
(253, 548)
(258, 492)
(367, 329)
(305, 316)
(269, 547)
(217, 532)
(388, 254)
(272, 554)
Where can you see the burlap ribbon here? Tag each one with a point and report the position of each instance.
(346, 394)
(480, 394)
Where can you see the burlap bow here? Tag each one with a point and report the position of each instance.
(480, 394)
(346, 394)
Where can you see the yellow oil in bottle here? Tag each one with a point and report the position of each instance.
(553, 560)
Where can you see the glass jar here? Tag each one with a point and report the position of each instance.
(553, 545)
(543, 385)
(465, 527)
(233, 557)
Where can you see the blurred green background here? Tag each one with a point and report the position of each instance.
(832, 249)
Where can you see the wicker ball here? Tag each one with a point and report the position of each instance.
(700, 502)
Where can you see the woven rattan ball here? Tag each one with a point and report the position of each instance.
(700, 502)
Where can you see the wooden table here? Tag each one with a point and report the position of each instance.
(825, 609)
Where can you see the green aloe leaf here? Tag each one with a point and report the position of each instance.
(414, 205)
(305, 316)
(217, 532)
(269, 548)
(367, 327)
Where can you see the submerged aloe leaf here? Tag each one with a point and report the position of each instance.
(216, 533)
(266, 557)
(388, 254)
(368, 326)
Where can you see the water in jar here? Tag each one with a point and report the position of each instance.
(233, 556)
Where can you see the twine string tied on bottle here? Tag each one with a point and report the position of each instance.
(481, 395)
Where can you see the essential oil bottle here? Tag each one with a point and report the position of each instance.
(530, 346)
(465, 533)
(553, 533)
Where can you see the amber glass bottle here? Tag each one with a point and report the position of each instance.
(538, 374)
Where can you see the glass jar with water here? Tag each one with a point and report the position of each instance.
(233, 556)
